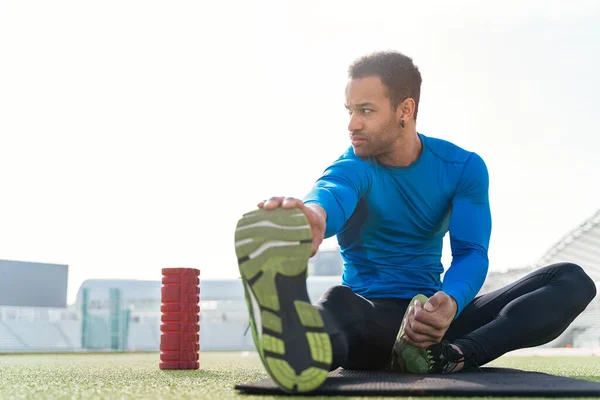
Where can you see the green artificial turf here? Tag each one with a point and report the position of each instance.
(137, 376)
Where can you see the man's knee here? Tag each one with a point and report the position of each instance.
(580, 285)
(340, 290)
(338, 294)
(344, 305)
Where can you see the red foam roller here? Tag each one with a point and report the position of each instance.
(170, 341)
(174, 343)
(189, 289)
(179, 327)
(190, 346)
(179, 356)
(170, 356)
(190, 298)
(180, 294)
(190, 337)
(180, 280)
(180, 317)
(170, 294)
(180, 308)
(189, 356)
(179, 365)
(180, 341)
(181, 271)
(177, 338)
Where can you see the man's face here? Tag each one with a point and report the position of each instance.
(373, 128)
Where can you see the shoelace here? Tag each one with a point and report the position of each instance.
(452, 358)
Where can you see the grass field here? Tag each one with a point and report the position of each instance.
(118, 376)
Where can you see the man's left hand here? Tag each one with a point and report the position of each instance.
(426, 325)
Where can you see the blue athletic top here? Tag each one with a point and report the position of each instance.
(390, 222)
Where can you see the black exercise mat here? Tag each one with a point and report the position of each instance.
(501, 382)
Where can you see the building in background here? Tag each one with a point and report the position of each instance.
(33, 284)
(33, 308)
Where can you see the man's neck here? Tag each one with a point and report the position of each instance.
(406, 151)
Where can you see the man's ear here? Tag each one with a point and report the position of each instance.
(405, 110)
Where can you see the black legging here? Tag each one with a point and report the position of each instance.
(532, 311)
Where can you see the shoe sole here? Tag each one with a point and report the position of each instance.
(403, 351)
(273, 248)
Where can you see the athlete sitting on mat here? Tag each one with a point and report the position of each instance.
(390, 199)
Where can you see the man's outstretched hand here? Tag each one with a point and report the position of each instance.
(426, 325)
(316, 215)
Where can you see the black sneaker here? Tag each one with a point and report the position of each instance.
(443, 358)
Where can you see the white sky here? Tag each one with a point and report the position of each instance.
(134, 134)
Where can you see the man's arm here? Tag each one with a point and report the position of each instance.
(338, 191)
(332, 199)
(470, 230)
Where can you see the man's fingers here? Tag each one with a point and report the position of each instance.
(426, 330)
(273, 202)
(417, 339)
(422, 330)
(291, 202)
(435, 301)
(417, 336)
(280, 201)
(431, 319)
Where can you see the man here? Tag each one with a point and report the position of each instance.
(390, 199)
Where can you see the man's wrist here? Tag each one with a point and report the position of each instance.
(455, 305)
(320, 211)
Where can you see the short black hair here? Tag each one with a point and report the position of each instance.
(397, 72)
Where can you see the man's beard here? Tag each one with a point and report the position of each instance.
(379, 143)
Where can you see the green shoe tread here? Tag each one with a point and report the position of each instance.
(308, 380)
(320, 347)
(274, 258)
(310, 317)
(273, 344)
(271, 321)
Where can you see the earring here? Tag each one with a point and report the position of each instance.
(402, 123)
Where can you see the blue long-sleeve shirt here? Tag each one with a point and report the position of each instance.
(390, 222)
